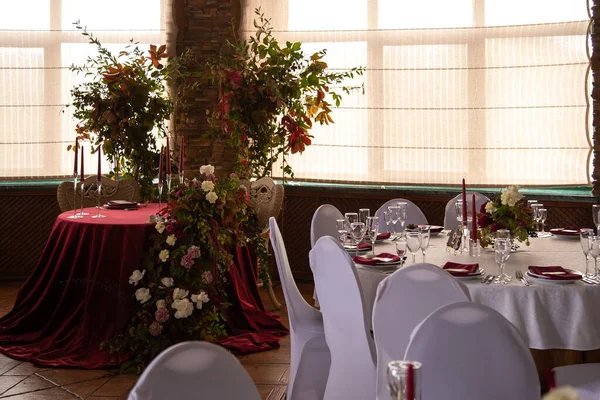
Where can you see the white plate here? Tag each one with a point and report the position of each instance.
(476, 275)
(352, 249)
(546, 281)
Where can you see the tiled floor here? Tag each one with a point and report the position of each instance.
(25, 381)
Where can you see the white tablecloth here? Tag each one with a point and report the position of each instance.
(550, 316)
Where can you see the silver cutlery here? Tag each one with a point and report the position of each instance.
(485, 278)
(589, 280)
(490, 279)
(519, 275)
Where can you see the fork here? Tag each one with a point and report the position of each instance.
(519, 276)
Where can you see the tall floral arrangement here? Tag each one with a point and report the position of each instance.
(180, 288)
(270, 95)
(509, 210)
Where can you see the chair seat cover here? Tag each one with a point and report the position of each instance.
(414, 215)
(194, 370)
(450, 221)
(471, 352)
(323, 223)
(403, 300)
(585, 378)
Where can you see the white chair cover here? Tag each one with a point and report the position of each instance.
(450, 221)
(323, 223)
(414, 215)
(310, 359)
(471, 352)
(403, 300)
(585, 378)
(194, 370)
(352, 371)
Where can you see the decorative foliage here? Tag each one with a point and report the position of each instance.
(269, 97)
(180, 289)
(509, 210)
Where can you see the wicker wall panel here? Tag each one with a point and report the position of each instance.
(25, 223)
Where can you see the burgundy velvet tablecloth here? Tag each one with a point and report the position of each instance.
(78, 295)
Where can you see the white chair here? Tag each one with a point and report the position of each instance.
(310, 359)
(352, 371)
(323, 223)
(193, 370)
(585, 378)
(450, 221)
(403, 300)
(471, 352)
(414, 215)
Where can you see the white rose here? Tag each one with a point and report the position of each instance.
(160, 226)
(207, 169)
(163, 255)
(510, 197)
(142, 295)
(167, 282)
(136, 276)
(211, 197)
(200, 298)
(161, 304)
(490, 207)
(171, 239)
(179, 294)
(184, 308)
(562, 393)
(208, 186)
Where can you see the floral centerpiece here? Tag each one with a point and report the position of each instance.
(180, 288)
(509, 210)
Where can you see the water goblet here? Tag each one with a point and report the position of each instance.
(595, 252)
(363, 214)
(394, 214)
(342, 230)
(596, 217)
(584, 240)
(402, 212)
(351, 217)
(502, 248)
(535, 207)
(424, 239)
(542, 215)
(372, 229)
(413, 242)
(388, 220)
(357, 230)
(404, 380)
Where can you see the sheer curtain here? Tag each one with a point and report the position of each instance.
(38, 43)
(495, 91)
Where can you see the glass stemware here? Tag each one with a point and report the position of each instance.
(536, 215)
(342, 229)
(372, 229)
(388, 220)
(363, 214)
(584, 240)
(401, 247)
(502, 248)
(402, 214)
(404, 380)
(542, 215)
(413, 241)
(595, 252)
(160, 190)
(596, 217)
(351, 217)
(357, 230)
(75, 215)
(424, 239)
(99, 185)
(394, 214)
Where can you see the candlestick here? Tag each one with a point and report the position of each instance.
(160, 166)
(75, 162)
(82, 177)
(75, 215)
(464, 205)
(474, 222)
(410, 382)
(82, 184)
(168, 158)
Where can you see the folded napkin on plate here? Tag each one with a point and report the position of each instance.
(555, 273)
(361, 246)
(373, 260)
(456, 269)
(121, 203)
(385, 235)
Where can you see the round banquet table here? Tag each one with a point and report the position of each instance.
(550, 316)
(78, 296)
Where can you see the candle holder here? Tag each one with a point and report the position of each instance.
(168, 187)
(474, 248)
(466, 237)
(82, 183)
(75, 214)
(99, 184)
(160, 189)
(181, 178)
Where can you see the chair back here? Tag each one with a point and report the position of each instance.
(403, 300)
(450, 221)
(414, 215)
(323, 223)
(193, 370)
(122, 189)
(267, 198)
(352, 371)
(471, 352)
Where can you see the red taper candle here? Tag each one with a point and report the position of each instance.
(160, 166)
(474, 227)
(168, 158)
(410, 382)
(99, 177)
(464, 205)
(181, 156)
(82, 177)
(75, 164)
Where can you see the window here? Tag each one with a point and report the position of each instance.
(495, 91)
(38, 43)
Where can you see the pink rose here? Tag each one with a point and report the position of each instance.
(161, 315)
(155, 329)
(187, 261)
(207, 277)
(194, 252)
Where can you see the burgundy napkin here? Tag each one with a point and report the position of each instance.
(465, 269)
(361, 246)
(382, 236)
(547, 273)
(370, 261)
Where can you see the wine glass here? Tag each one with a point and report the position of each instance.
(394, 214)
(363, 214)
(536, 215)
(401, 247)
(372, 228)
(584, 240)
(595, 252)
(424, 239)
(413, 242)
(357, 230)
(99, 186)
(351, 217)
(542, 215)
(402, 211)
(387, 217)
(342, 229)
(502, 252)
(404, 380)
(596, 217)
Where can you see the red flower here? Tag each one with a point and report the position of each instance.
(495, 226)
(235, 78)
(482, 208)
(484, 220)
